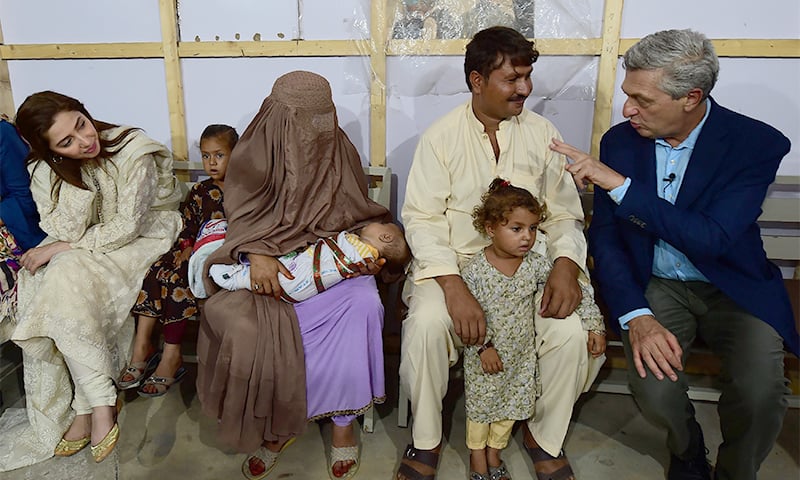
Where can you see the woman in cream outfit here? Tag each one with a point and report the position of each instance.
(107, 199)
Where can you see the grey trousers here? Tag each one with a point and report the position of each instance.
(754, 389)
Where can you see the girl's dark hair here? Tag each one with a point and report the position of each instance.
(489, 48)
(226, 132)
(35, 117)
(500, 200)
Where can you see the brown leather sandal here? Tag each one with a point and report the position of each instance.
(538, 455)
(425, 457)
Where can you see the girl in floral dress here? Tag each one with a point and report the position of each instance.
(502, 375)
(165, 296)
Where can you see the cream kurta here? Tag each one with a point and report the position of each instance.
(453, 166)
(79, 304)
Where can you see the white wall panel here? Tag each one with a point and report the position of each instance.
(335, 20)
(715, 18)
(84, 21)
(231, 90)
(209, 20)
(130, 92)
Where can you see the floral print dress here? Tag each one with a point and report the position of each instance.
(165, 291)
(508, 304)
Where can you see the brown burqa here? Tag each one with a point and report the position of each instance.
(293, 177)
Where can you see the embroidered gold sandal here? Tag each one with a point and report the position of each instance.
(106, 445)
(68, 448)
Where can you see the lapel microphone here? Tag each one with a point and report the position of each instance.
(668, 179)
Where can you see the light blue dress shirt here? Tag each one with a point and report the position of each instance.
(671, 164)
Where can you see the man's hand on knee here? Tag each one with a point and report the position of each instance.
(654, 346)
(466, 313)
(562, 292)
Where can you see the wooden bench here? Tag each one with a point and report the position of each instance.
(379, 190)
(780, 232)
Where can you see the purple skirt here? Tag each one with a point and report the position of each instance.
(342, 339)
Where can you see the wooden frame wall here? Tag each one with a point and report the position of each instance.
(172, 49)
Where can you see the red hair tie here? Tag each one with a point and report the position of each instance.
(505, 183)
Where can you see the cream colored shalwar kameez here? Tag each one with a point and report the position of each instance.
(453, 165)
(78, 305)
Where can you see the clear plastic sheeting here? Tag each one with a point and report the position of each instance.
(566, 78)
(454, 19)
(461, 19)
(421, 20)
(569, 18)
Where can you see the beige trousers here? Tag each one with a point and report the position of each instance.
(92, 388)
(494, 435)
(430, 347)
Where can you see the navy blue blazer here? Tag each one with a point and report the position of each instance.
(16, 203)
(713, 221)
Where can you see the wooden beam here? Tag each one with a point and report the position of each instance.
(6, 97)
(288, 48)
(81, 50)
(377, 97)
(607, 72)
(172, 68)
(739, 47)
(757, 48)
(764, 48)
(546, 46)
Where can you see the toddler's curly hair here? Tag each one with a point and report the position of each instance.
(500, 200)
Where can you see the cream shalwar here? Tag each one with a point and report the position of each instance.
(78, 305)
(453, 165)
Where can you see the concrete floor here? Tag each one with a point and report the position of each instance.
(169, 438)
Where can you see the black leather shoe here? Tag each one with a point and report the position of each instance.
(694, 465)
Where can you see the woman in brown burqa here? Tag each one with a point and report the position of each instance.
(266, 366)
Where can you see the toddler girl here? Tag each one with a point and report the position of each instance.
(165, 294)
(502, 375)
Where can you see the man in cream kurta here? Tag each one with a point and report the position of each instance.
(492, 135)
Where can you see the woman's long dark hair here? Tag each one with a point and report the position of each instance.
(35, 117)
